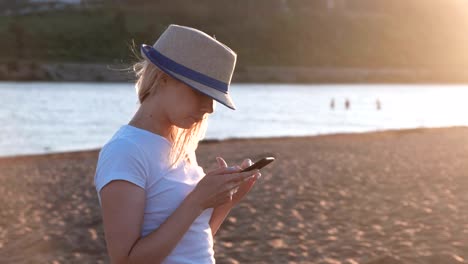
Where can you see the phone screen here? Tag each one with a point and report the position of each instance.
(260, 164)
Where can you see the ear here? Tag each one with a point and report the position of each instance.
(162, 81)
(164, 77)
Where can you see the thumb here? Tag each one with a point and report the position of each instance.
(246, 163)
(221, 162)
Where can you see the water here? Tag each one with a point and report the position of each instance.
(41, 117)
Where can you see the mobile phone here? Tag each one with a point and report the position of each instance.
(259, 164)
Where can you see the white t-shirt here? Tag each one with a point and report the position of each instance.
(141, 157)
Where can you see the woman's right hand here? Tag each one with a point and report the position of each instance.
(215, 188)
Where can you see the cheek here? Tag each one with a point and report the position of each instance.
(189, 103)
(182, 103)
(179, 110)
(186, 103)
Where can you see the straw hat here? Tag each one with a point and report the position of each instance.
(196, 59)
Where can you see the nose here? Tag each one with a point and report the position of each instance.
(207, 104)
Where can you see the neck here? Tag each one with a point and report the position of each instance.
(153, 121)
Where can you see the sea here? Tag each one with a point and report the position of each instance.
(50, 117)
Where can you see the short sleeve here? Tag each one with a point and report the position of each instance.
(120, 159)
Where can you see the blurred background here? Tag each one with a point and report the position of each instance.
(343, 65)
(402, 40)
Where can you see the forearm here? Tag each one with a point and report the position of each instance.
(219, 214)
(158, 244)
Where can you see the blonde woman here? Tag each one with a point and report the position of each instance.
(158, 205)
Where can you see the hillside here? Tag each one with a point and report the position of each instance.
(366, 34)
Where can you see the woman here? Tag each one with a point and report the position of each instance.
(157, 203)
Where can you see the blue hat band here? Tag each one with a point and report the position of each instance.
(162, 61)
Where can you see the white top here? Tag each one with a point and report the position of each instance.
(141, 157)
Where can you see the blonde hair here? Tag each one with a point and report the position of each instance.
(184, 141)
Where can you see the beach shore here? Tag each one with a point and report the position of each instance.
(115, 72)
(383, 197)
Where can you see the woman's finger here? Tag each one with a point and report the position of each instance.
(232, 186)
(221, 170)
(221, 162)
(236, 177)
(246, 163)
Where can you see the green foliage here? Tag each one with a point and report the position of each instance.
(364, 34)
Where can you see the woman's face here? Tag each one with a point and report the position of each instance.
(185, 106)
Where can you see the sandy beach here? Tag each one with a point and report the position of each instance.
(375, 198)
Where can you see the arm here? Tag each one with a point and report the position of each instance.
(219, 214)
(123, 205)
(123, 217)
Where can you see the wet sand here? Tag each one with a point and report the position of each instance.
(380, 198)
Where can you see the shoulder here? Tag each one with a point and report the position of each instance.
(120, 155)
(121, 146)
(137, 142)
(121, 159)
(122, 149)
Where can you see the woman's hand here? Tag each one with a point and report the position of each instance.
(239, 193)
(216, 187)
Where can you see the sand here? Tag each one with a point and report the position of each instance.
(386, 197)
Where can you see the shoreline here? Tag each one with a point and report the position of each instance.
(111, 72)
(84, 152)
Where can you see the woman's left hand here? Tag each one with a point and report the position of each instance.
(238, 193)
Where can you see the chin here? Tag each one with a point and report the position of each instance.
(187, 124)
